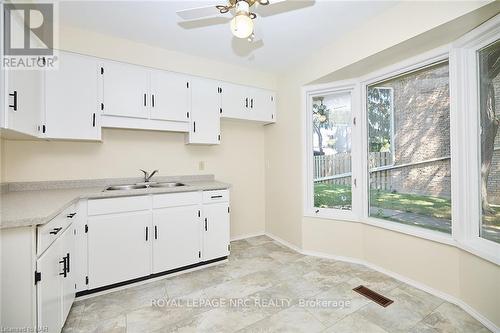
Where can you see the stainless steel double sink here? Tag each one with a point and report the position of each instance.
(129, 187)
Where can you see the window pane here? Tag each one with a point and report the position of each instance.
(409, 148)
(332, 150)
(489, 98)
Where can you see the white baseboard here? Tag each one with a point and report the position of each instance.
(284, 242)
(464, 306)
(240, 237)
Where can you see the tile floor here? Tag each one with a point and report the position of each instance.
(266, 287)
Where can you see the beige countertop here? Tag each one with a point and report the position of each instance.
(34, 205)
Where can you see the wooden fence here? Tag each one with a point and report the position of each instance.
(336, 169)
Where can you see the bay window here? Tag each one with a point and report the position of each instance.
(413, 147)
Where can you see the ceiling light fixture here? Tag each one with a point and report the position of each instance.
(242, 24)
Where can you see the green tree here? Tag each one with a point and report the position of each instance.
(321, 120)
(489, 68)
(379, 119)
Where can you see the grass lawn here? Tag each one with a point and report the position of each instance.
(331, 195)
(419, 204)
(339, 196)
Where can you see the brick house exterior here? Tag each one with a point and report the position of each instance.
(422, 133)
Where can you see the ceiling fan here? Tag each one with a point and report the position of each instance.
(241, 24)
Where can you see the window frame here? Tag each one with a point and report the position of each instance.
(465, 176)
(308, 93)
(464, 91)
(428, 59)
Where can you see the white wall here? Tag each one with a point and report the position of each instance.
(406, 28)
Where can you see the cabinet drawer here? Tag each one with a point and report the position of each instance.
(176, 199)
(215, 196)
(48, 233)
(118, 205)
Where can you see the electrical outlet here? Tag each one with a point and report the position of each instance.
(201, 165)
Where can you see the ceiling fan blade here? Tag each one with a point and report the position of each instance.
(204, 22)
(282, 6)
(196, 13)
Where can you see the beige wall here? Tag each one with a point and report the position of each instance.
(238, 160)
(407, 28)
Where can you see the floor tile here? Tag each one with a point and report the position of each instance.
(336, 303)
(354, 323)
(294, 319)
(450, 318)
(270, 285)
(409, 308)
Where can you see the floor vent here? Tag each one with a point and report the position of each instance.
(376, 297)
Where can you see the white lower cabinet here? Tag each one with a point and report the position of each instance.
(49, 288)
(216, 230)
(134, 237)
(119, 247)
(56, 287)
(68, 239)
(177, 237)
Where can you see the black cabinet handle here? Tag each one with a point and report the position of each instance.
(71, 215)
(246, 102)
(216, 196)
(145, 99)
(153, 100)
(14, 106)
(64, 272)
(67, 262)
(206, 224)
(156, 232)
(147, 233)
(251, 103)
(93, 119)
(55, 231)
(194, 126)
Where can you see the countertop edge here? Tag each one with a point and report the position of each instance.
(37, 221)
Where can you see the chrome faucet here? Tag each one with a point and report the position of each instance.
(148, 176)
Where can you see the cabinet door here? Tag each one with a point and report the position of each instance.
(49, 301)
(216, 231)
(263, 105)
(68, 239)
(71, 99)
(205, 108)
(125, 90)
(233, 101)
(24, 100)
(170, 96)
(119, 247)
(176, 237)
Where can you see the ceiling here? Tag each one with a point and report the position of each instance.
(285, 32)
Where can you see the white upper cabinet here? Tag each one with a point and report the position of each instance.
(205, 111)
(247, 103)
(72, 108)
(234, 101)
(170, 96)
(24, 101)
(125, 90)
(263, 104)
